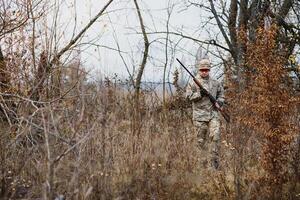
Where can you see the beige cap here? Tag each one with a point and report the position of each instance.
(204, 64)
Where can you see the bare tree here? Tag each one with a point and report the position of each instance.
(247, 16)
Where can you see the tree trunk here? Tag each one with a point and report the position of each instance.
(137, 115)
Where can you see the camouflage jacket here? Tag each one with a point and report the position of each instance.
(203, 109)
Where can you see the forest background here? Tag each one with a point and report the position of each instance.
(71, 128)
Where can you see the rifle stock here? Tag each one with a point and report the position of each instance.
(211, 98)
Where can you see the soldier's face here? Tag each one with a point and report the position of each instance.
(204, 73)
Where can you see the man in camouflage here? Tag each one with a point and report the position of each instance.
(205, 116)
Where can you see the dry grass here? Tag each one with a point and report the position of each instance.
(91, 144)
(89, 141)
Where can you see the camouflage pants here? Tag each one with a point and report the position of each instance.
(208, 138)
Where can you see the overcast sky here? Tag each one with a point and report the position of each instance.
(120, 25)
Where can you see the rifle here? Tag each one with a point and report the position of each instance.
(211, 98)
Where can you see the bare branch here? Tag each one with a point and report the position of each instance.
(220, 25)
(79, 35)
(285, 8)
(213, 42)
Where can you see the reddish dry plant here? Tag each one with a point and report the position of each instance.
(266, 103)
